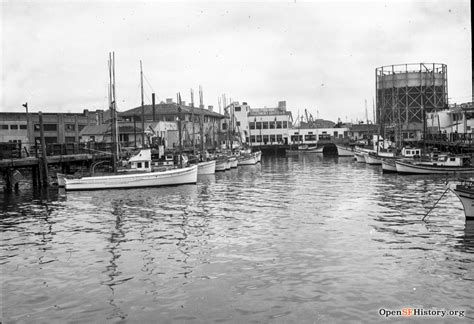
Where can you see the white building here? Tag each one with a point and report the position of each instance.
(298, 136)
(260, 126)
(458, 119)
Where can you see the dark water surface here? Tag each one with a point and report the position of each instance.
(298, 239)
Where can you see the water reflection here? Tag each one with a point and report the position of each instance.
(294, 239)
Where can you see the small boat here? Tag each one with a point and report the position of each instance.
(186, 175)
(207, 167)
(344, 150)
(464, 190)
(442, 164)
(373, 159)
(258, 156)
(233, 162)
(315, 149)
(221, 163)
(388, 164)
(359, 154)
(248, 159)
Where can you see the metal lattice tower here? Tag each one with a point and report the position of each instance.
(405, 92)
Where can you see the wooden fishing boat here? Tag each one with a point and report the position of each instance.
(464, 190)
(247, 159)
(207, 167)
(186, 175)
(344, 150)
(443, 164)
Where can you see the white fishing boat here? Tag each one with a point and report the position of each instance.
(388, 163)
(315, 149)
(373, 159)
(207, 167)
(359, 156)
(442, 164)
(233, 162)
(464, 190)
(221, 163)
(186, 175)
(248, 159)
(344, 150)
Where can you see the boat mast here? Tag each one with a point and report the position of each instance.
(192, 118)
(201, 105)
(143, 105)
(112, 110)
(179, 131)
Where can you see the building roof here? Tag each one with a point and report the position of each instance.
(168, 109)
(96, 129)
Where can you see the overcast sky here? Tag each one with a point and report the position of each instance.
(318, 55)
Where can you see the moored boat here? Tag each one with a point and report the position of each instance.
(207, 167)
(464, 190)
(247, 159)
(186, 175)
(443, 164)
(344, 150)
(233, 162)
(372, 159)
(388, 165)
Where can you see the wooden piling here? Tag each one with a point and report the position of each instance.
(43, 159)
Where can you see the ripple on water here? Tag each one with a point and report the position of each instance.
(295, 239)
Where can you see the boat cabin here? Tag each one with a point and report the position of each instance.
(411, 152)
(450, 161)
(141, 161)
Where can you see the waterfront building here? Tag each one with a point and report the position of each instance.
(58, 127)
(313, 135)
(456, 119)
(190, 120)
(260, 126)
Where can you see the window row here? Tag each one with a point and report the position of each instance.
(13, 126)
(278, 138)
(268, 125)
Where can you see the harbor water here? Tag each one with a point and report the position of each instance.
(298, 239)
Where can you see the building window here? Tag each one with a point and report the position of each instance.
(251, 125)
(70, 127)
(310, 137)
(146, 164)
(285, 124)
(265, 125)
(224, 126)
(259, 125)
(265, 139)
(335, 134)
(69, 139)
(3, 126)
(259, 138)
(50, 127)
(272, 125)
(237, 108)
(279, 138)
(13, 126)
(278, 124)
(139, 165)
(237, 124)
(23, 126)
(252, 139)
(272, 138)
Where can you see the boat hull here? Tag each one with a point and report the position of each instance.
(411, 168)
(173, 177)
(389, 166)
(221, 165)
(344, 151)
(372, 160)
(207, 167)
(467, 200)
(359, 157)
(61, 177)
(248, 160)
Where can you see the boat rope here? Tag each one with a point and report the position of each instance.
(429, 211)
